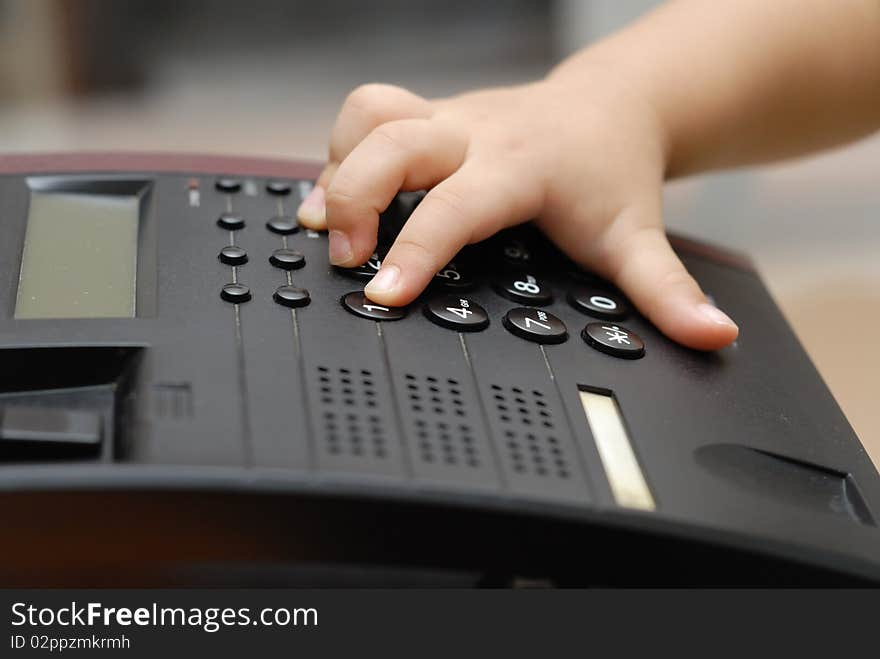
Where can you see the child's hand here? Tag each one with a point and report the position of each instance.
(588, 161)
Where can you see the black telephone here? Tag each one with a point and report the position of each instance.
(191, 394)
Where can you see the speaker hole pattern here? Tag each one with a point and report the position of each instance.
(351, 423)
(529, 432)
(443, 434)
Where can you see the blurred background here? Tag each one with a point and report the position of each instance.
(265, 77)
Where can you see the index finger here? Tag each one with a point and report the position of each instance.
(365, 109)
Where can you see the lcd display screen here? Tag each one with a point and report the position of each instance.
(80, 256)
(624, 474)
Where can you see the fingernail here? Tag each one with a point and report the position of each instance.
(384, 281)
(311, 210)
(715, 315)
(340, 248)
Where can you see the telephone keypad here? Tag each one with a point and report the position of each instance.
(516, 277)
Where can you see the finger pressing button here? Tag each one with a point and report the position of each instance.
(360, 305)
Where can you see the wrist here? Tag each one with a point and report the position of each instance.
(601, 77)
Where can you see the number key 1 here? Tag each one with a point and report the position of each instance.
(358, 304)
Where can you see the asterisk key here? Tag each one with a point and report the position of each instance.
(615, 334)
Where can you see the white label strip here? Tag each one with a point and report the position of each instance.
(615, 450)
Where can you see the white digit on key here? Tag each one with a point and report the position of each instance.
(464, 312)
(603, 302)
(529, 322)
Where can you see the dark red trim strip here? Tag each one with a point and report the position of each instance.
(712, 252)
(46, 163)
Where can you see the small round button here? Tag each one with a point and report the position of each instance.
(291, 296)
(233, 255)
(364, 271)
(280, 188)
(230, 221)
(614, 340)
(283, 224)
(453, 276)
(523, 288)
(597, 302)
(457, 313)
(287, 259)
(228, 185)
(515, 253)
(535, 325)
(358, 304)
(235, 293)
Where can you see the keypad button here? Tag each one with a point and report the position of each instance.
(514, 252)
(535, 325)
(597, 302)
(291, 296)
(614, 340)
(233, 255)
(287, 259)
(230, 221)
(280, 188)
(457, 313)
(235, 293)
(283, 224)
(364, 271)
(358, 304)
(229, 185)
(453, 276)
(523, 288)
